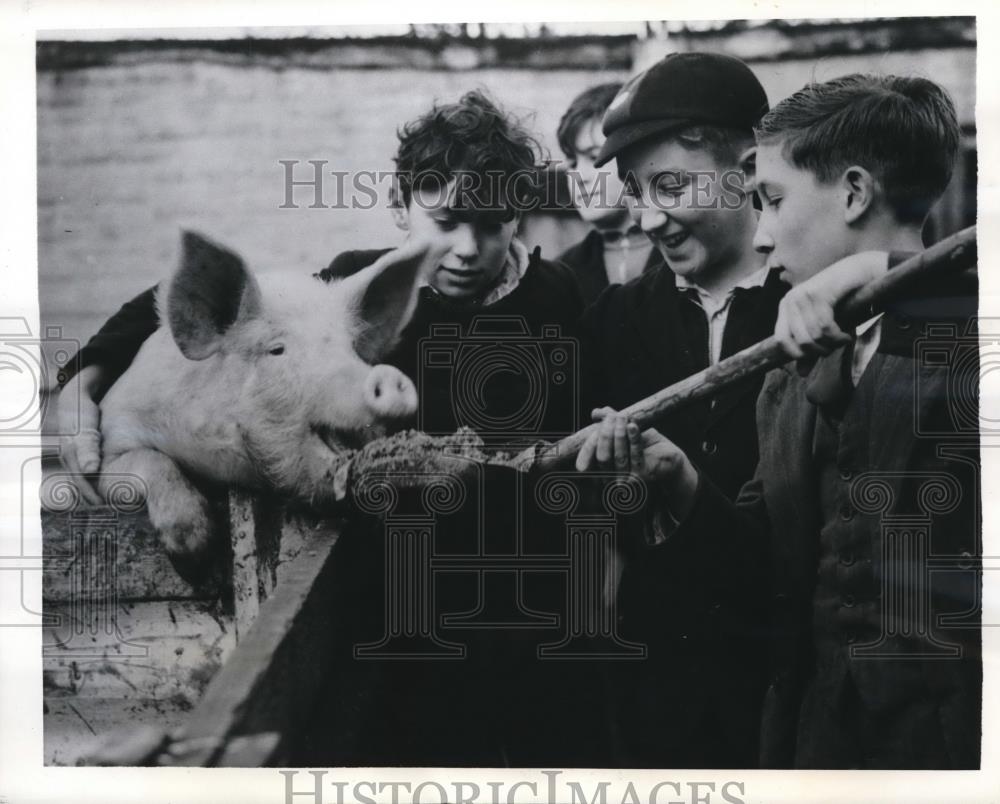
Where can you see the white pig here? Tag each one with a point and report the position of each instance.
(267, 382)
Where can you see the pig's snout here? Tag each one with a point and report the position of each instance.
(389, 393)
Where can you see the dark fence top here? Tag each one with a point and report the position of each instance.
(445, 50)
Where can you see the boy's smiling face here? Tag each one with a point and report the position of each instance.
(802, 228)
(687, 203)
(477, 243)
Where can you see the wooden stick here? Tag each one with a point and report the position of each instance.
(951, 255)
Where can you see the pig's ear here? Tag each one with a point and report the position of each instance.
(387, 298)
(208, 294)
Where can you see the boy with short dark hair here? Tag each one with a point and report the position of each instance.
(615, 250)
(866, 472)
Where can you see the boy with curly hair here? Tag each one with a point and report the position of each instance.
(464, 172)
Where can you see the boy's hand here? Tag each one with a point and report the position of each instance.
(618, 445)
(806, 327)
(80, 454)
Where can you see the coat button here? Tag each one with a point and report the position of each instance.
(709, 447)
(848, 601)
(904, 322)
(846, 474)
(965, 562)
(852, 638)
(847, 558)
(847, 513)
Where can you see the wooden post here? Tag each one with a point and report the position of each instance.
(255, 532)
(269, 685)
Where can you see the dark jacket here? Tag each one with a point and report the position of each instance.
(875, 658)
(497, 368)
(684, 706)
(118, 341)
(500, 705)
(640, 337)
(586, 261)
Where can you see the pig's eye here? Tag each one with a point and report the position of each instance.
(276, 350)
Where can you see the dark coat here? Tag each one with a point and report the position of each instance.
(533, 322)
(683, 706)
(499, 704)
(827, 705)
(586, 261)
(640, 337)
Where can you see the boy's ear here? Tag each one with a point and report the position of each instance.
(401, 217)
(747, 166)
(400, 214)
(859, 187)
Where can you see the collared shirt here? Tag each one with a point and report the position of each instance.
(513, 270)
(717, 310)
(625, 253)
(867, 338)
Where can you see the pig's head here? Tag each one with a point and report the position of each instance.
(296, 360)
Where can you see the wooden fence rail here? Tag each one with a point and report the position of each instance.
(143, 669)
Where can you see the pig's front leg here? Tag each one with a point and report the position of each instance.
(180, 513)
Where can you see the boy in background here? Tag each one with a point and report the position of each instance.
(865, 467)
(615, 250)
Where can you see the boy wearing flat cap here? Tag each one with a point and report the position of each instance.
(678, 132)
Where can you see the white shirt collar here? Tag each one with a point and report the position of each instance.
(867, 338)
(861, 329)
(514, 268)
(754, 280)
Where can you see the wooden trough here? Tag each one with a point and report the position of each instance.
(141, 668)
(252, 673)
